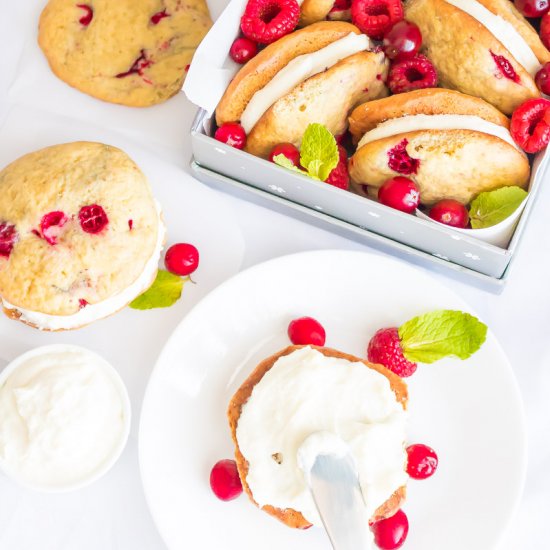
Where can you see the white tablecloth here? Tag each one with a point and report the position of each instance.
(232, 235)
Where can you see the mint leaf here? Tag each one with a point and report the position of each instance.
(492, 207)
(443, 333)
(164, 292)
(319, 152)
(283, 161)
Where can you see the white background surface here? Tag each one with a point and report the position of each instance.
(112, 514)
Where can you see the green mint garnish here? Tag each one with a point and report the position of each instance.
(443, 333)
(492, 207)
(164, 292)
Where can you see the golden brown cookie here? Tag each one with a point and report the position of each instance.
(129, 52)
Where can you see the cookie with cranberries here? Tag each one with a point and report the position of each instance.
(127, 52)
(80, 235)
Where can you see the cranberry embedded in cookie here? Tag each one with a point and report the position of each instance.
(159, 16)
(139, 65)
(93, 218)
(86, 19)
(8, 238)
(400, 161)
(505, 68)
(51, 224)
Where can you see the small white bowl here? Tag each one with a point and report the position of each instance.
(106, 464)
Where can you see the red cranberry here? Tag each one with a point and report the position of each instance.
(8, 238)
(532, 8)
(391, 533)
(182, 259)
(305, 331)
(288, 150)
(421, 462)
(232, 134)
(225, 481)
(50, 225)
(93, 218)
(505, 68)
(243, 50)
(82, 303)
(159, 16)
(400, 193)
(450, 212)
(545, 30)
(402, 41)
(542, 79)
(86, 19)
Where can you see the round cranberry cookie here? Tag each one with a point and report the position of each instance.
(130, 52)
(80, 235)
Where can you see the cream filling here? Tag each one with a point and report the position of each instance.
(307, 393)
(417, 123)
(94, 312)
(299, 69)
(503, 31)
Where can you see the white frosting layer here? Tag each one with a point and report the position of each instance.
(503, 31)
(305, 393)
(299, 69)
(61, 418)
(94, 312)
(415, 123)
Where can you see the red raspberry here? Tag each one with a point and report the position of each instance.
(243, 50)
(412, 74)
(265, 21)
(50, 225)
(400, 161)
(93, 218)
(8, 238)
(385, 349)
(339, 177)
(376, 17)
(530, 126)
(545, 30)
(86, 19)
(231, 133)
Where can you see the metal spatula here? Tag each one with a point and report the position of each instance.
(335, 488)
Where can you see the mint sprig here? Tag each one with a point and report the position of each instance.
(318, 153)
(492, 207)
(164, 292)
(442, 333)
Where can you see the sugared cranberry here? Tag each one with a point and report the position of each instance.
(402, 41)
(530, 125)
(288, 150)
(542, 78)
(225, 481)
(232, 134)
(243, 50)
(86, 19)
(51, 224)
(545, 30)
(182, 259)
(265, 21)
(421, 461)
(8, 238)
(532, 8)
(391, 533)
(159, 16)
(400, 161)
(400, 193)
(376, 17)
(93, 219)
(305, 331)
(411, 74)
(505, 68)
(450, 212)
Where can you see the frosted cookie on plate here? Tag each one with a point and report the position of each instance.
(129, 52)
(307, 390)
(454, 146)
(80, 235)
(316, 74)
(484, 48)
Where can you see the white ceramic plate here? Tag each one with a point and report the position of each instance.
(469, 411)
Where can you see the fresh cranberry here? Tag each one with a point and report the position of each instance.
(505, 68)
(421, 461)
(288, 150)
(530, 125)
(8, 238)
(532, 8)
(545, 30)
(93, 219)
(402, 41)
(542, 78)
(400, 161)
(159, 16)
(232, 134)
(139, 65)
(50, 225)
(182, 259)
(306, 330)
(450, 212)
(225, 481)
(243, 50)
(86, 19)
(400, 193)
(391, 533)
